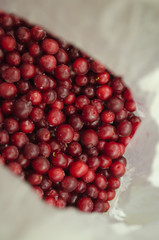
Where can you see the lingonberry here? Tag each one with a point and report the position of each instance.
(89, 176)
(37, 33)
(31, 150)
(100, 181)
(59, 159)
(89, 138)
(117, 169)
(27, 126)
(23, 34)
(107, 116)
(11, 125)
(105, 161)
(105, 131)
(103, 78)
(97, 67)
(13, 58)
(48, 63)
(62, 72)
(23, 161)
(64, 133)
(81, 66)
(22, 108)
(69, 183)
(41, 82)
(55, 117)
(81, 187)
(40, 165)
(104, 92)
(7, 90)
(97, 103)
(81, 101)
(45, 149)
(8, 43)
(34, 179)
(74, 149)
(61, 56)
(93, 163)
(92, 191)
(115, 104)
(89, 113)
(113, 183)
(11, 75)
(124, 128)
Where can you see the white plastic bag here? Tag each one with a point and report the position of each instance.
(124, 35)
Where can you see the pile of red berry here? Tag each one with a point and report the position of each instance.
(65, 120)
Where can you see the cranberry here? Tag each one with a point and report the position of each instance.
(8, 43)
(31, 151)
(81, 66)
(34, 50)
(13, 58)
(78, 169)
(81, 80)
(115, 104)
(55, 117)
(110, 194)
(89, 176)
(81, 187)
(62, 72)
(56, 174)
(93, 163)
(50, 46)
(74, 149)
(54, 145)
(49, 96)
(117, 169)
(105, 161)
(61, 56)
(27, 70)
(45, 149)
(97, 67)
(89, 138)
(90, 113)
(10, 153)
(113, 183)
(69, 183)
(11, 125)
(57, 104)
(104, 92)
(34, 179)
(130, 105)
(48, 63)
(112, 149)
(127, 94)
(15, 168)
(4, 137)
(36, 114)
(102, 195)
(7, 90)
(23, 34)
(43, 135)
(37, 33)
(105, 131)
(23, 87)
(85, 204)
(65, 133)
(27, 58)
(97, 103)
(41, 82)
(92, 191)
(59, 159)
(103, 78)
(100, 181)
(19, 139)
(41, 165)
(124, 128)
(76, 122)
(117, 85)
(81, 101)
(23, 161)
(22, 109)
(122, 115)
(89, 91)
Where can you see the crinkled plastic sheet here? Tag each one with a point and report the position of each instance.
(124, 35)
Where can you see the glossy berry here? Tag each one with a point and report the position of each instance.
(81, 66)
(113, 183)
(104, 92)
(124, 128)
(117, 169)
(41, 165)
(69, 183)
(85, 204)
(10, 153)
(89, 113)
(56, 174)
(100, 181)
(89, 138)
(7, 90)
(65, 133)
(8, 43)
(48, 63)
(78, 169)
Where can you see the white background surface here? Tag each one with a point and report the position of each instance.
(125, 36)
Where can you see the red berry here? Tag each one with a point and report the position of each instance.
(69, 183)
(27, 70)
(104, 92)
(113, 183)
(78, 169)
(48, 63)
(89, 138)
(90, 113)
(65, 133)
(11, 75)
(41, 165)
(55, 117)
(8, 43)
(100, 181)
(117, 169)
(81, 66)
(10, 153)
(85, 204)
(50, 46)
(56, 174)
(62, 72)
(7, 90)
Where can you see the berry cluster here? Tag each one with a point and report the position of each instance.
(65, 120)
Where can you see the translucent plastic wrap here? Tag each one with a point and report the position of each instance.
(124, 35)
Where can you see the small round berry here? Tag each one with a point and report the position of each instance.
(105, 131)
(117, 169)
(4, 137)
(49, 96)
(92, 191)
(104, 92)
(110, 194)
(34, 179)
(38, 33)
(105, 161)
(112, 149)
(89, 138)
(85, 204)
(93, 163)
(43, 135)
(117, 85)
(22, 109)
(13, 58)
(100, 181)
(81, 80)
(103, 78)
(89, 176)
(113, 183)
(78, 169)
(59, 159)
(48, 63)
(8, 43)
(69, 183)
(10, 153)
(81, 101)
(65, 133)
(31, 151)
(11, 75)
(124, 128)
(41, 165)
(97, 67)
(23, 34)
(19, 139)
(56, 174)
(50, 46)
(115, 104)
(55, 117)
(81, 187)
(41, 82)
(74, 149)
(62, 72)
(107, 116)
(81, 66)
(7, 90)
(11, 125)
(27, 70)
(130, 105)
(61, 56)
(90, 113)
